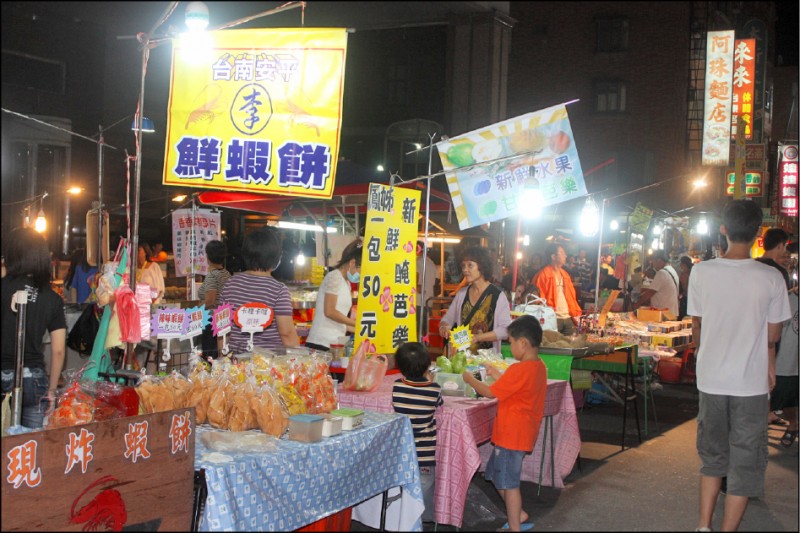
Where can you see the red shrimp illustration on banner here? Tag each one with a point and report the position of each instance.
(106, 510)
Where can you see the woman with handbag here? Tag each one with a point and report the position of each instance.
(480, 304)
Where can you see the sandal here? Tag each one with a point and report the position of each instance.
(788, 438)
(779, 422)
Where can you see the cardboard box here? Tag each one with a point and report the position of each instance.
(646, 314)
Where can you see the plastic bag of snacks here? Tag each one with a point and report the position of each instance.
(220, 390)
(241, 415)
(153, 396)
(198, 397)
(271, 415)
(83, 402)
(179, 386)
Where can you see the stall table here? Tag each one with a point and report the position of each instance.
(622, 361)
(464, 427)
(300, 483)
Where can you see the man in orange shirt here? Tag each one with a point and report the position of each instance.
(555, 286)
(520, 393)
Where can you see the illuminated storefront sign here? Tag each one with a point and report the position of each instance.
(718, 96)
(787, 174)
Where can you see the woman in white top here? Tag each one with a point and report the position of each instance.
(150, 274)
(334, 300)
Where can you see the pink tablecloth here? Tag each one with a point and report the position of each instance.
(463, 424)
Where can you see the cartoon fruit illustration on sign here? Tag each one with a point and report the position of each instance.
(488, 209)
(460, 154)
(482, 187)
(559, 142)
(487, 150)
(527, 140)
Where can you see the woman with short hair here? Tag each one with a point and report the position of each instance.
(261, 254)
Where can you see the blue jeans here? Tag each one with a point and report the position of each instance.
(34, 388)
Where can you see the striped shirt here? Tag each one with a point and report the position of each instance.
(244, 288)
(214, 281)
(418, 400)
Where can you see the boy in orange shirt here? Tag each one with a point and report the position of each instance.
(520, 393)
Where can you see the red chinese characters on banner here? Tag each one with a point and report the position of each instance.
(787, 172)
(136, 441)
(179, 432)
(22, 467)
(744, 73)
(79, 450)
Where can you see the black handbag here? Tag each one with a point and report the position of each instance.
(81, 336)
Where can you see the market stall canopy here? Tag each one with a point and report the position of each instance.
(351, 196)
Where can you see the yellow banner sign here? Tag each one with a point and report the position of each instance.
(258, 110)
(387, 293)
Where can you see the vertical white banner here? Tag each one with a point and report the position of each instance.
(718, 97)
(190, 247)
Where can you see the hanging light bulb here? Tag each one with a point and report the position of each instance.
(702, 227)
(657, 229)
(300, 260)
(40, 225)
(590, 218)
(614, 225)
(196, 16)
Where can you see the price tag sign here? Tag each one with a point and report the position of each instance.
(461, 338)
(196, 320)
(168, 323)
(253, 317)
(221, 323)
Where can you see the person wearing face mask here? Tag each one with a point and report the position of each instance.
(334, 300)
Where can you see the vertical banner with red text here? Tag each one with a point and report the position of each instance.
(386, 294)
(190, 247)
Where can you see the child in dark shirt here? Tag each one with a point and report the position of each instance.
(417, 396)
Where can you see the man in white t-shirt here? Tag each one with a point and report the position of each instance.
(663, 290)
(737, 306)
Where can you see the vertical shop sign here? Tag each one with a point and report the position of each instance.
(787, 174)
(744, 72)
(259, 111)
(718, 96)
(739, 161)
(190, 247)
(387, 296)
(757, 30)
(485, 191)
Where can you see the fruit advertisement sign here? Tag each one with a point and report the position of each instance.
(488, 180)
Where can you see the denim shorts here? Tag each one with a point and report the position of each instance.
(504, 468)
(732, 441)
(34, 389)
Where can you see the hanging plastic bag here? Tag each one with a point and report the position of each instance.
(82, 335)
(537, 308)
(6, 412)
(127, 312)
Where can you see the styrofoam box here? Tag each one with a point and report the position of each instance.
(351, 418)
(332, 425)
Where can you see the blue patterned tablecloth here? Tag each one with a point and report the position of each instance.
(301, 483)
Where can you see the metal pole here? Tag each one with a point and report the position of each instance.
(129, 348)
(100, 144)
(19, 304)
(192, 246)
(516, 261)
(425, 242)
(599, 251)
(65, 243)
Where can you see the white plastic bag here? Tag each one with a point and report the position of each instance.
(537, 307)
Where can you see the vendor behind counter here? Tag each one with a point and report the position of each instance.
(334, 300)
